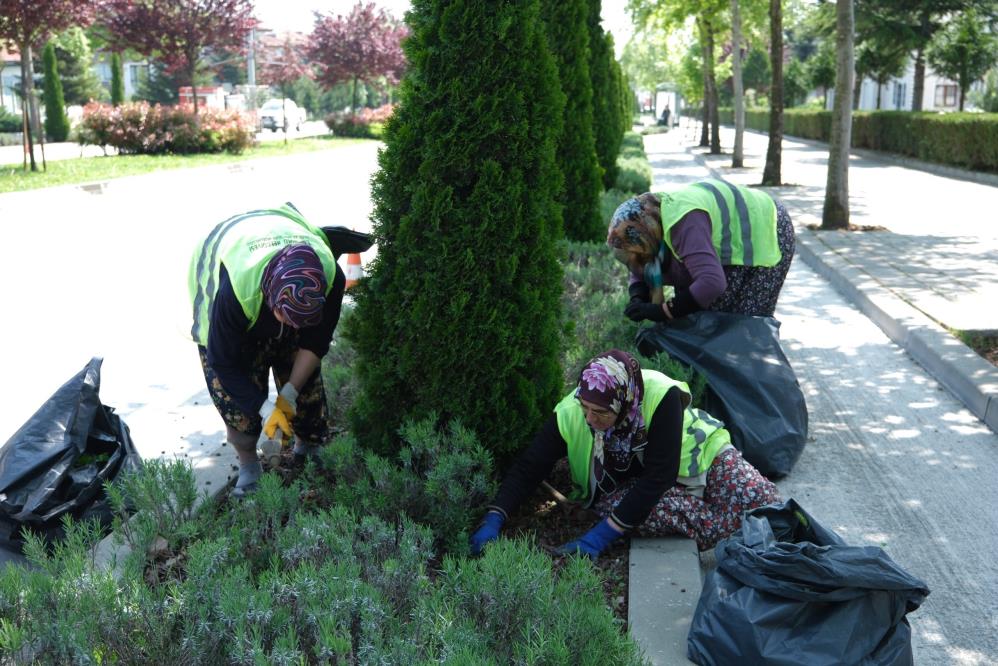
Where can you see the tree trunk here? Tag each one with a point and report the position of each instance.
(836, 210)
(880, 89)
(918, 90)
(284, 115)
(705, 126)
(194, 89)
(738, 156)
(857, 90)
(353, 98)
(772, 175)
(27, 99)
(715, 113)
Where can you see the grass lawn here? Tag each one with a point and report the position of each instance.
(88, 169)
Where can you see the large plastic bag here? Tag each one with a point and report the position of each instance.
(751, 386)
(58, 462)
(788, 591)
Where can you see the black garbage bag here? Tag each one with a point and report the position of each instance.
(751, 386)
(788, 591)
(58, 462)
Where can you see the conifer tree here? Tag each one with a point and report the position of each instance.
(604, 127)
(117, 80)
(56, 120)
(459, 314)
(568, 38)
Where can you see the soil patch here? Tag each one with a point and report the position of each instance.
(985, 345)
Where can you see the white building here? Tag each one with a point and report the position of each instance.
(939, 94)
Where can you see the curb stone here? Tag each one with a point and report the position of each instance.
(966, 375)
(663, 592)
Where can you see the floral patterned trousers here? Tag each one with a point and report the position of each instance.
(733, 487)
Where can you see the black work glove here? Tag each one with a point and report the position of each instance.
(639, 292)
(683, 303)
(641, 311)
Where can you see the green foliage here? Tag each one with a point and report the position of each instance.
(458, 314)
(633, 169)
(985, 99)
(595, 295)
(56, 120)
(795, 83)
(964, 50)
(565, 23)
(117, 80)
(80, 83)
(756, 72)
(967, 140)
(440, 479)
(605, 116)
(10, 122)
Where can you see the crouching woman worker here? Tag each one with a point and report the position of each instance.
(721, 246)
(640, 455)
(266, 294)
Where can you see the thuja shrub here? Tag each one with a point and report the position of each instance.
(459, 314)
(568, 38)
(141, 128)
(606, 116)
(440, 478)
(633, 168)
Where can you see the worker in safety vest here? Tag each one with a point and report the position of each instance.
(641, 456)
(720, 246)
(266, 294)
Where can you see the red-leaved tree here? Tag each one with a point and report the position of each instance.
(364, 46)
(26, 24)
(281, 66)
(179, 33)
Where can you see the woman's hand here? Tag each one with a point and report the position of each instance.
(637, 311)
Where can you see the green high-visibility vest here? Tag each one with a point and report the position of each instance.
(703, 436)
(743, 221)
(245, 244)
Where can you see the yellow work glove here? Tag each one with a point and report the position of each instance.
(275, 419)
(287, 400)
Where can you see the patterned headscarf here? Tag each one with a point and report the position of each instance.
(636, 228)
(613, 380)
(294, 284)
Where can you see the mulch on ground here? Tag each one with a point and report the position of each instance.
(986, 346)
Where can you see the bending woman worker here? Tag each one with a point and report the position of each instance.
(641, 456)
(266, 294)
(721, 246)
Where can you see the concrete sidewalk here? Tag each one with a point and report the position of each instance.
(890, 462)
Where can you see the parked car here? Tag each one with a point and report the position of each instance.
(283, 114)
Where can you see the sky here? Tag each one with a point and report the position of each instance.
(282, 15)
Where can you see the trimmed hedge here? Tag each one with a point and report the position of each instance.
(968, 140)
(138, 128)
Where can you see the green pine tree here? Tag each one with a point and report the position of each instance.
(459, 316)
(604, 99)
(80, 83)
(56, 120)
(568, 38)
(117, 80)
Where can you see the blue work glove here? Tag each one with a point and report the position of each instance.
(593, 542)
(487, 532)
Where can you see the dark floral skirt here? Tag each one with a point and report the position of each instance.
(311, 423)
(733, 487)
(754, 290)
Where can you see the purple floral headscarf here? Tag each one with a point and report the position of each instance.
(294, 284)
(613, 380)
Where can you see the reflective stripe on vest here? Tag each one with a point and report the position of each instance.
(245, 244)
(743, 221)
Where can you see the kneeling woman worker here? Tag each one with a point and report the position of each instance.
(641, 456)
(266, 295)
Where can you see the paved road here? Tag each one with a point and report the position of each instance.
(893, 459)
(105, 273)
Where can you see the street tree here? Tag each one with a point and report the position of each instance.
(568, 39)
(835, 214)
(180, 34)
(963, 51)
(363, 47)
(738, 154)
(56, 120)
(821, 69)
(772, 172)
(26, 24)
(459, 316)
(756, 73)
(282, 67)
(117, 80)
(80, 83)
(881, 61)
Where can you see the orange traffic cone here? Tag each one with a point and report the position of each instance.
(354, 270)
